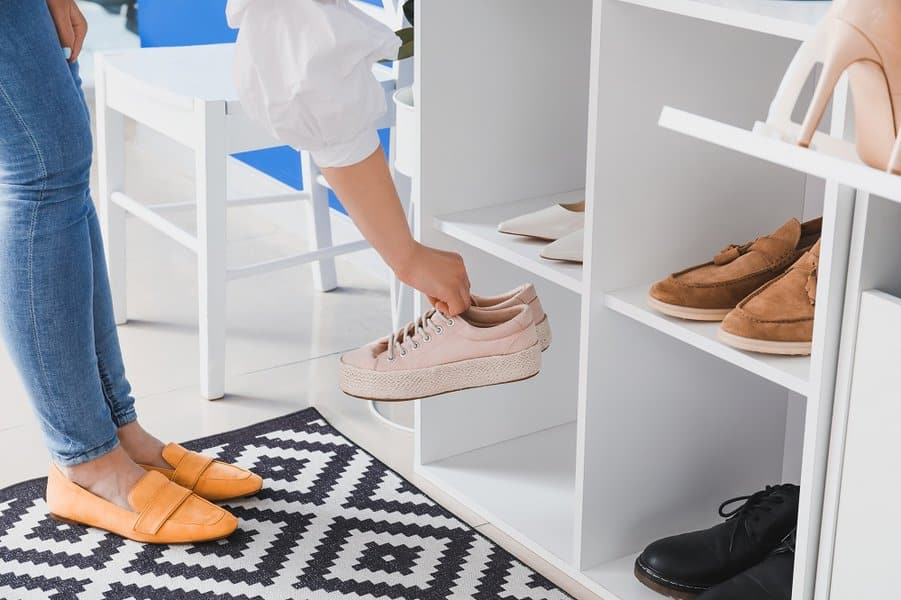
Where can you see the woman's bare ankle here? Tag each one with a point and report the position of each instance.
(111, 476)
(142, 447)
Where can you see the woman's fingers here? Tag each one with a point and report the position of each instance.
(457, 303)
(59, 11)
(71, 26)
(79, 30)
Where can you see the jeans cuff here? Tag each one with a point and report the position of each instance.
(90, 455)
(124, 418)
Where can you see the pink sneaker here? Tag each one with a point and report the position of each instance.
(438, 354)
(524, 294)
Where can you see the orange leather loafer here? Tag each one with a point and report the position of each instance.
(206, 477)
(164, 512)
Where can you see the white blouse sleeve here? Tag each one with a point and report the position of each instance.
(303, 70)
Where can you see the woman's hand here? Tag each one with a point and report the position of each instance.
(439, 275)
(71, 25)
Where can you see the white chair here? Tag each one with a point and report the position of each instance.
(186, 93)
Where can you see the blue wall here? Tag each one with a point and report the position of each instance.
(193, 22)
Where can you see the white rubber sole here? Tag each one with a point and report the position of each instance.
(688, 313)
(431, 381)
(543, 330)
(764, 346)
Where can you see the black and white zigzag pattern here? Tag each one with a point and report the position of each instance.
(331, 522)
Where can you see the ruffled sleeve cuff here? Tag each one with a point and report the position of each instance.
(348, 153)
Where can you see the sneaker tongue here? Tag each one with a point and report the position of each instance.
(775, 244)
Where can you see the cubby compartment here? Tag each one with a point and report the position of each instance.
(508, 452)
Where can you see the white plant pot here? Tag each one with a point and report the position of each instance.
(406, 156)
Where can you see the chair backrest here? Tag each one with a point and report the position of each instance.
(180, 23)
(195, 22)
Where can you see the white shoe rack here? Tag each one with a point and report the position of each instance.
(638, 424)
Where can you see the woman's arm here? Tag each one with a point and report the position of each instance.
(304, 72)
(367, 191)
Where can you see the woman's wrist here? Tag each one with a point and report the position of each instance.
(403, 258)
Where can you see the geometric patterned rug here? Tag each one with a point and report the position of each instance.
(331, 522)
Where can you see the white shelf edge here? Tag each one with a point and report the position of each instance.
(684, 333)
(819, 164)
(499, 246)
(733, 17)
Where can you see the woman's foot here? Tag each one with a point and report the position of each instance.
(111, 477)
(205, 476)
(142, 447)
(156, 510)
(208, 478)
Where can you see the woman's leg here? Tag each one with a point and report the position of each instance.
(49, 279)
(137, 443)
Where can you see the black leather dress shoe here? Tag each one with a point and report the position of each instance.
(686, 565)
(769, 580)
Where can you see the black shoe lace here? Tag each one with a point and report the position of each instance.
(749, 512)
(788, 542)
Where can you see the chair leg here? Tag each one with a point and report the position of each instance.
(402, 296)
(111, 178)
(211, 190)
(325, 279)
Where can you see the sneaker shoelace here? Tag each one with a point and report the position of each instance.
(416, 333)
(749, 513)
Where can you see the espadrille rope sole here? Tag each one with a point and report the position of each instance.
(543, 330)
(431, 381)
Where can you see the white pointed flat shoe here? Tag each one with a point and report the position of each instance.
(567, 248)
(550, 223)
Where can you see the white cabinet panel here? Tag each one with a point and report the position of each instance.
(867, 553)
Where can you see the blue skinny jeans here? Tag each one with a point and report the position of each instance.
(56, 314)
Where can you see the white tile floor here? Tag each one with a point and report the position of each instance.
(283, 341)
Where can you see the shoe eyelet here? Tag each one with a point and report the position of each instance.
(427, 339)
(450, 322)
(403, 353)
(416, 346)
(439, 330)
(391, 359)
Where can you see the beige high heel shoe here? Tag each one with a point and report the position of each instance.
(862, 37)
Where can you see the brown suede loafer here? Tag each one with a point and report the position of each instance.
(208, 478)
(777, 318)
(162, 512)
(708, 292)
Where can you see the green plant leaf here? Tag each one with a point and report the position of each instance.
(406, 34)
(409, 10)
(406, 51)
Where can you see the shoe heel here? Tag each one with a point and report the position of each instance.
(894, 163)
(845, 46)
